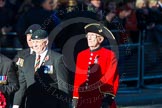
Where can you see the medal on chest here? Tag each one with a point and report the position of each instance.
(3, 79)
(20, 62)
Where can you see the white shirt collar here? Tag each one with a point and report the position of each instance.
(43, 54)
(31, 51)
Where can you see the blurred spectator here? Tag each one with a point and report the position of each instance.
(109, 16)
(160, 4)
(96, 7)
(41, 14)
(152, 3)
(72, 6)
(131, 22)
(111, 5)
(76, 28)
(141, 4)
(55, 14)
(25, 6)
(6, 18)
(141, 14)
(59, 7)
(154, 23)
(123, 13)
(56, 4)
(15, 5)
(153, 30)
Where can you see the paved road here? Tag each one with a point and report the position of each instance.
(144, 106)
(143, 98)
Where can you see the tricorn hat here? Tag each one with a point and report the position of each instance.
(100, 29)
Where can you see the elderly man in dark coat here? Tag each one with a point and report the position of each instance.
(43, 76)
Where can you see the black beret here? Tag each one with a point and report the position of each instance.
(31, 29)
(99, 29)
(39, 34)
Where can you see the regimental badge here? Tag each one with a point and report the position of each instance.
(3, 79)
(31, 31)
(48, 69)
(20, 62)
(36, 37)
(96, 59)
(100, 30)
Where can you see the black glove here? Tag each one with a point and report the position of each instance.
(74, 102)
(107, 101)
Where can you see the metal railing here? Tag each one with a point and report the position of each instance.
(10, 52)
(152, 63)
(129, 68)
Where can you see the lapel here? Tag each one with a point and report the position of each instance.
(27, 51)
(31, 62)
(28, 69)
(47, 60)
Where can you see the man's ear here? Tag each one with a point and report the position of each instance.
(47, 42)
(100, 39)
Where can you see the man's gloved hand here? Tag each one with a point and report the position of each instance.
(74, 102)
(107, 101)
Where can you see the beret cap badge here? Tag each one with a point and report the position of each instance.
(30, 31)
(36, 36)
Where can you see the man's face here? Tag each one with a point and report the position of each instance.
(28, 39)
(110, 16)
(96, 3)
(112, 6)
(47, 5)
(94, 40)
(40, 45)
(127, 13)
(2, 3)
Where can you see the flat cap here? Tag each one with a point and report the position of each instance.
(39, 34)
(99, 29)
(31, 29)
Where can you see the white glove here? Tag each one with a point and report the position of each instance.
(15, 106)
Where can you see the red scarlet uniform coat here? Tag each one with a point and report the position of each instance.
(96, 74)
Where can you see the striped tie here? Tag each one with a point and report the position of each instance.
(37, 62)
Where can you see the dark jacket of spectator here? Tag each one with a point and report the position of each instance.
(36, 15)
